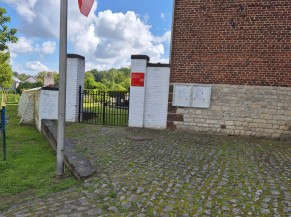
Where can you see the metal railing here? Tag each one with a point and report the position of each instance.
(103, 108)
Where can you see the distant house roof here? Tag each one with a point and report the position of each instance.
(16, 79)
(30, 79)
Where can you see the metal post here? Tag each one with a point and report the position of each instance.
(80, 103)
(104, 108)
(62, 87)
(3, 123)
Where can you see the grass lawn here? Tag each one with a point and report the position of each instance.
(29, 170)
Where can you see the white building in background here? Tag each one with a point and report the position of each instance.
(30, 79)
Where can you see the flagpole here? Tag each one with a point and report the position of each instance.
(62, 87)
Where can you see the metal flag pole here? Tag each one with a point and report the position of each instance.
(62, 87)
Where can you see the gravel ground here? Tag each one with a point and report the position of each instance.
(143, 172)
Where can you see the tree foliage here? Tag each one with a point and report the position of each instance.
(26, 86)
(21, 76)
(6, 74)
(6, 34)
(112, 79)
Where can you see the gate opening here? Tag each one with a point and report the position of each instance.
(103, 108)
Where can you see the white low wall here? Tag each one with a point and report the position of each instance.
(26, 106)
(42, 103)
(156, 97)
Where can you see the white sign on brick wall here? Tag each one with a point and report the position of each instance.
(182, 95)
(192, 95)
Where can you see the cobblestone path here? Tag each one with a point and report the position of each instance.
(173, 174)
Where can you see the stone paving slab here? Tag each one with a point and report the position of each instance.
(174, 174)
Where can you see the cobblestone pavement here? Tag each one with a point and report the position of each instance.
(174, 174)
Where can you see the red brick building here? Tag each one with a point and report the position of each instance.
(243, 49)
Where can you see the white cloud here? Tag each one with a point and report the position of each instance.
(36, 66)
(166, 37)
(106, 39)
(26, 46)
(48, 47)
(38, 18)
(122, 35)
(163, 16)
(86, 41)
(24, 7)
(23, 45)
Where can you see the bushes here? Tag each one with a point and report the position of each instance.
(26, 85)
(12, 98)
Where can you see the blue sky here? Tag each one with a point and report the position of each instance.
(113, 31)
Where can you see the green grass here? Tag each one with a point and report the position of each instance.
(30, 166)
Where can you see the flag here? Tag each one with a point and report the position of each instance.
(85, 6)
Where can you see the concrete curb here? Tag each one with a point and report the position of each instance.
(76, 162)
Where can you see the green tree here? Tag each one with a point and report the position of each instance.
(6, 34)
(113, 79)
(89, 81)
(6, 71)
(6, 75)
(26, 86)
(21, 76)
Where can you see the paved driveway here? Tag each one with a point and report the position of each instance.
(162, 173)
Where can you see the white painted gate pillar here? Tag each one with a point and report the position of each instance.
(149, 91)
(137, 90)
(75, 78)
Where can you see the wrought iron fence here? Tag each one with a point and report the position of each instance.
(103, 108)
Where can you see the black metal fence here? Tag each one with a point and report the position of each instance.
(103, 108)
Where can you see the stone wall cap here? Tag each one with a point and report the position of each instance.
(75, 56)
(33, 89)
(140, 57)
(54, 88)
(158, 65)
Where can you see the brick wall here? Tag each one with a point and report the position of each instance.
(232, 42)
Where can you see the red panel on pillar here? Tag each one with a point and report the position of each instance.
(137, 79)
